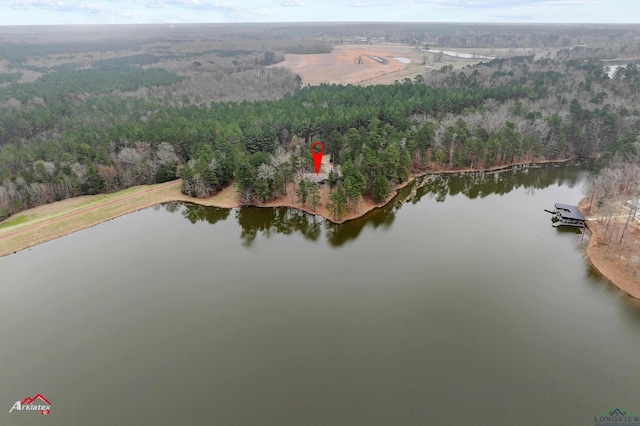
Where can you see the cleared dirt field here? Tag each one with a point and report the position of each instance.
(340, 66)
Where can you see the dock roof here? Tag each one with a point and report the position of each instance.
(569, 212)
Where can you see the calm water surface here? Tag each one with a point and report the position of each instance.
(460, 306)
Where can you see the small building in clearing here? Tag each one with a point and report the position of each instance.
(320, 178)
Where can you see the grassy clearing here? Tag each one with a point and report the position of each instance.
(55, 220)
(14, 222)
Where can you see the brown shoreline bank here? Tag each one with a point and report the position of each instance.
(47, 222)
(606, 259)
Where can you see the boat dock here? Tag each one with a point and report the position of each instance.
(567, 215)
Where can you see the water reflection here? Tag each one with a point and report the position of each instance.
(280, 220)
(338, 235)
(483, 184)
(267, 222)
(569, 230)
(195, 213)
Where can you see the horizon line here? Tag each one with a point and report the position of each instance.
(322, 22)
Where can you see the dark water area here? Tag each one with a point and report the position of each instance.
(456, 303)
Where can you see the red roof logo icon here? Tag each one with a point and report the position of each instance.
(29, 401)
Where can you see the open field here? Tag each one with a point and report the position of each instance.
(340, 66)
(50, 221)
(379, 66)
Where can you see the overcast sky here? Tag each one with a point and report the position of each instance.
(50, 12)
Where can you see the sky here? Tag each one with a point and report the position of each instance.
(66, 12)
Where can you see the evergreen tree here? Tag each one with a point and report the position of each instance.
(303, 190)
(355, 183)
(381, 188)
(337, 203)
(332, 179)
(314, 196)
(94, 184)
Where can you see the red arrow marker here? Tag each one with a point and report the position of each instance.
(317, 156)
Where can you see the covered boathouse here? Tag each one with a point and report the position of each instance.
(567, 215)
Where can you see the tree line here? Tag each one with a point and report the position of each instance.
(496, 113)
(613, 197)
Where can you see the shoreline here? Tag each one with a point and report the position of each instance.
(612, 269)
(23, 230)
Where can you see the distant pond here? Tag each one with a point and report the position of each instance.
(457, 303)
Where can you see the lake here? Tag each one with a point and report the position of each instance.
(459, 54)
(460, 305)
